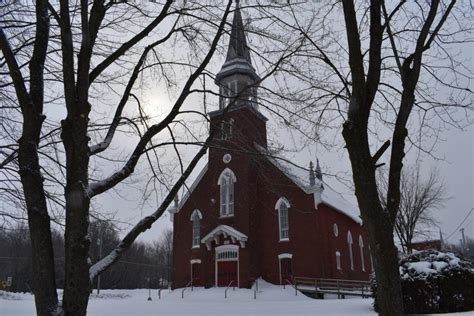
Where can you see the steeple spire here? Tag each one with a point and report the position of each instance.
(319, 174)
(238, 53)
(238, 43)
(312, 177)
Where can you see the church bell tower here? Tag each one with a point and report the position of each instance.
(237, 76)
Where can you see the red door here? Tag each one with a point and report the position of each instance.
(226, 272)
(286, 273)
(196, 271)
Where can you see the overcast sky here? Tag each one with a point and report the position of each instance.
(456, 148)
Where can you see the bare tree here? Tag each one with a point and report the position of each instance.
(392, 74)
(79, 34)
(419, 197)
(63, 66)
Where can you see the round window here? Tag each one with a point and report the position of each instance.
(336, 230)
(227, 158)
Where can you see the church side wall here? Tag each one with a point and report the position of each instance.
(312, 243)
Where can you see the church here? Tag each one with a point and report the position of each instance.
(247, 215)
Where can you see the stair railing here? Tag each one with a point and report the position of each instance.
(190, 283)
(228, 287)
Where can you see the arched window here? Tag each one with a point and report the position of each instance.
(227, 129)
(226, 182)
(335, 230)
(361, 248)
(338, 260)
(349, 244)
(282, 206)
(196, 217)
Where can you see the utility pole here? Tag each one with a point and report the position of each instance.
(463, 241)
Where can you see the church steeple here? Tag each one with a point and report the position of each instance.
(319, 174)
(238, 42)
(237, 73)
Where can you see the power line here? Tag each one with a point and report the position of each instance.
(462, 222)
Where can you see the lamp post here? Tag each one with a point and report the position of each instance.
(149, 289)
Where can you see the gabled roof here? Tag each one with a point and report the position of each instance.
(196, 181)
(328, 195)
(225, 230)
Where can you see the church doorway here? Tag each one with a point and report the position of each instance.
(226, 273)
(286, 271)
(227, 265)
(196, 272)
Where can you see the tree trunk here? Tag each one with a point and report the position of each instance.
(76, 284)
(389, 299)
(44, 280)
(376, 219)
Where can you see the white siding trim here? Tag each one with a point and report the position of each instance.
(282, 200)
(285, 256)
(196, 211)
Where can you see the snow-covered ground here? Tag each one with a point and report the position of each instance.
(271, 300)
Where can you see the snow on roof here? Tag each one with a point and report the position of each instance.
(337, 201)
(297, 175)
(300, 176)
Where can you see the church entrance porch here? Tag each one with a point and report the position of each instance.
(227, 243)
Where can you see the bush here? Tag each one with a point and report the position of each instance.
(435, 282)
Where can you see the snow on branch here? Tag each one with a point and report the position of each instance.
(146, 223)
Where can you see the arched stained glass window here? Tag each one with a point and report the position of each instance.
(226, 182)
(349, 244)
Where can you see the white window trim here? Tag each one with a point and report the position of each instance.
(191, 218)
(193, 261)
(285, 256)
(194, 212)
(349, 244)
(284, 201)
(220, 180)
(338, 260)
(361, 247)
(335, 230)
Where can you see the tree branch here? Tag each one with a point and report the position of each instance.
(103, 145)
(148, 221)
(127, 45)
(102, 186)
(381, 151)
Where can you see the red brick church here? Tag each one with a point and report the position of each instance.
(247, 215)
